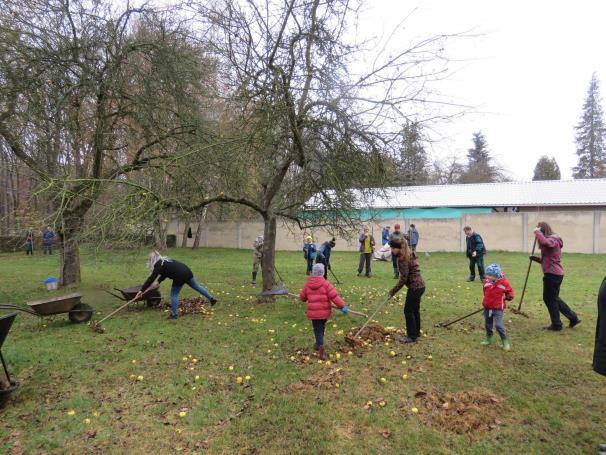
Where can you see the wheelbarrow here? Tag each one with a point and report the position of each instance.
(7, 386)
(76, 311)
(152, 297)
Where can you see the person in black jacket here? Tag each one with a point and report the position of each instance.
(323, 255)
(164, 267)
(475, 252)
(599, 353)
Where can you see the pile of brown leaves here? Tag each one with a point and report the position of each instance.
(196, 305)
(464, 412)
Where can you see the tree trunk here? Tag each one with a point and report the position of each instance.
(269, 252)
(69, 252)
(186, 228)
(201, 219)
(160, 234)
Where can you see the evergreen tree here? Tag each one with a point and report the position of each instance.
(547, 169)
(591, 135)
(480, 166)
(413, 163)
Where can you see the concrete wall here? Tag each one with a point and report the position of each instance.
(583, 232)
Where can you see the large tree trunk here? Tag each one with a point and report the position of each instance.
(69, 251)
(160, 234)
(269, 252)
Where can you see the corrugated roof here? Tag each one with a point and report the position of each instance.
(582, 192)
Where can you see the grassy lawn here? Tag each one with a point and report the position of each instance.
(542, 397)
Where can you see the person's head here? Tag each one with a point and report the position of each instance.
(493, 272)
(387, 227)
(309, 239)
(48, 228)
(397, 227)
(332, 242)
(154, 257)
(366, 230)
(317, 270)
(412, 226)
(400, 248)
(467, 230)
(545, 228)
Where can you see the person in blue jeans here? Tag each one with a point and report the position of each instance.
(163, 267)
(47, 240)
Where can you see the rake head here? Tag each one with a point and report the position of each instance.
(274, 291)
(521, 313)
(96, 327)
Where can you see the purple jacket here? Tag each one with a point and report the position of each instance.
(551, 250)
(372, 243)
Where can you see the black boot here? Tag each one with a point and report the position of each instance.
(254, 278)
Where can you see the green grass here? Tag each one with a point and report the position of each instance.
(553, 402)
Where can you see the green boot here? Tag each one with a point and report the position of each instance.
(487, 341)
(506, 344)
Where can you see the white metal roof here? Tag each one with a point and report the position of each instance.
(582, 192)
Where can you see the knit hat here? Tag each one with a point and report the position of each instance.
(397, 227)
(318, 270)
(494, 270)
(309, 237)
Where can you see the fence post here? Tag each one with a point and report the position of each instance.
(597, 218)
(525, 232)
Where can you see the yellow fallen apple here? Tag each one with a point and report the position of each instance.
(132, 376)
(194, 360)
(337, 385)
(247, 378)
(197, 377)
(403, 362)
(429, 357)
(349, 353)
(383, 380)
(71, 412)
(239, 380)
(445, 405)
(185, 359)
(134, 361)
(414, 410)
(230, 368)
(182, 414)
(139, 378)
(392, 353)
(369, 403)
(381, 403)
(86, 421)
(292, 357)
(337, 356)
(404, 376)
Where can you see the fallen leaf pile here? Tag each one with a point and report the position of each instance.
(464, 412)
(195, 305)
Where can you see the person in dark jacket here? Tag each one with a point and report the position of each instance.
(309, 252)
(475, 252)
(410, 276)
(323, 256)
(553, 274)
(599, 353)
(396, 236)
(162, 267)
(48, 236)
(29, 242)
(367, 247)
(413, 237)
(385, 236)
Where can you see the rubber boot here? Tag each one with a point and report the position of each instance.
(506, 344)
(254, 278)
(487, 341)
(321, 352)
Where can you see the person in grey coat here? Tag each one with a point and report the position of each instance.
(413, 237)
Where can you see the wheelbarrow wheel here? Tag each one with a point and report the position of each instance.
(154, 301)
(81, 313)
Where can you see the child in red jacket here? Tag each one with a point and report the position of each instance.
(318, 292)
(497, 291)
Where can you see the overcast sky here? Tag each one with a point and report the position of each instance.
(527, 74)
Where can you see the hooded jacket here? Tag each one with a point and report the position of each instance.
(496, 293)
(551, 251)
(318, 293)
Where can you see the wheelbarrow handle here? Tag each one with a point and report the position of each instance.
(116, 295)
(10, 306)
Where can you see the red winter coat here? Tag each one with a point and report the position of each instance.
(318, 293)
(496, 293)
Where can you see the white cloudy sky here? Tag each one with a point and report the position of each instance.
(527, 74)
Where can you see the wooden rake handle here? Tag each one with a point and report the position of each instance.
(534, 245)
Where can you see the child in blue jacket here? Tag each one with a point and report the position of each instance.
(309, 252)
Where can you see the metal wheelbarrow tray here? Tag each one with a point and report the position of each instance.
(70, 303)
(152, 297)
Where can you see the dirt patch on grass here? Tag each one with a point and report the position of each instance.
(371, 335)
(464, 412)
(195, 305)
(329, 379)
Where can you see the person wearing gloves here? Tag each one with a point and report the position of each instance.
(397, 236)
(309, 252)
(497, 291)
(257, 257)
(163, 267)
(475, 253)
(410, 276)
(323, 256)
(551, 245)
(319, 293)
(367, 246)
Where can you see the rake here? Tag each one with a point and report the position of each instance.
(354, 340)
(284, 291)
(519, 309)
